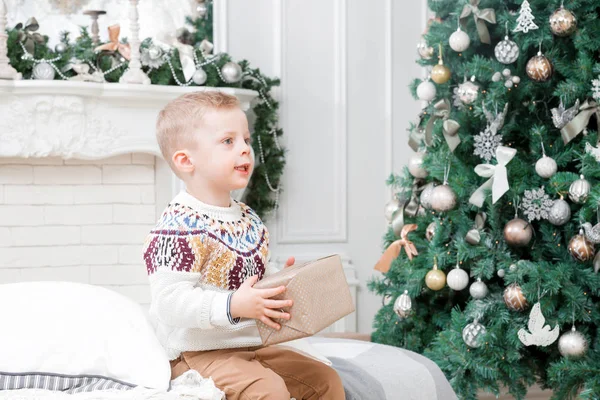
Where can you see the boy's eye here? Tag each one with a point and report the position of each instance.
(228, 141)
(248, 140)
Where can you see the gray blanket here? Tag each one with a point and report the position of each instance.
(378, 372)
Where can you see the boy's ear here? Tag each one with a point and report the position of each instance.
(182, 161)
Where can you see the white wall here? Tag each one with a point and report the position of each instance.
(345, 66)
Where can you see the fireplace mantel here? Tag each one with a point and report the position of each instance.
(85, 120)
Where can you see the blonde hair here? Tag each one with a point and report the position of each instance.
(177, 121)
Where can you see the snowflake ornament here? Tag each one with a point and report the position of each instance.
(596, 89)
(486, 144)
(536, 204)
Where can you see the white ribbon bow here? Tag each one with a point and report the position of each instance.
(498, 181)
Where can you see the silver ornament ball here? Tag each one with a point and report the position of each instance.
(545, 167)
(478, 289)
(426, 91)
(501, 273)
(430, 231)
(232, 72)
(559, 213)
(443, 198)
(468, 92)
(457, 279)
(60, 48)
(459, 41)
(425, 197)
(199, 77)
(403, 305)
(506, 51)
(474, 334)
(415, 165)
(425, 51)
(43, 71)
(572, 344)
(579, 190)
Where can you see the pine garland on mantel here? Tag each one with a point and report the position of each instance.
(262, 193)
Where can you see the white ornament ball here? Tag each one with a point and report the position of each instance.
(426, 91)
(457, 279)
(443, 198)
(232, 72)
(506, 51)
(425, 197)
(473, 334)
(545, 167)
(496, 77)
(415, 165)
(478, 289)
(559, 213)
(459, 41)
(572, 344)
(199, 77)
(43, 71)
(501, 273)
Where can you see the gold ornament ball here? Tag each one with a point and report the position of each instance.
(514, 297)
(435, 279)
(563, 22)
(539, 68)
(440, 74)
(518, 232)
(580, 248)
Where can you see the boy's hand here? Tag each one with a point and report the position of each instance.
(290, 261)
(248, 302)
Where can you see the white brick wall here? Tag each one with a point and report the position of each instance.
(77, 220)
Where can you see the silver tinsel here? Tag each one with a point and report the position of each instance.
(486, 144)
(506, 51)
(536, 204)
(562, 116)
(473, 334)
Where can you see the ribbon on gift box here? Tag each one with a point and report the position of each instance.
(114, 45)
(487, 15)
(474, 235)
(497, 174)
(28, 35)
(580, 122)
(450, 126)
(394, 249)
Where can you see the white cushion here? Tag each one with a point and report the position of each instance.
(76, 329)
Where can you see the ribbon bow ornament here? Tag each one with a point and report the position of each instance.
(394, 249)
(450, 127)
(474, 235)
(580, 122)
(481, 17)
(497, 174)
(28, 35)
(114, 45)
(416, 137)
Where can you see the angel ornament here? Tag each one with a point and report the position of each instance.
(539, 334)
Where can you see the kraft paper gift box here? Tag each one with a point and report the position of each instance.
(320, 293)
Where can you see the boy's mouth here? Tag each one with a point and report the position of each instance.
(243, 168)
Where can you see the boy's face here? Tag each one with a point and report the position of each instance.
(221, 151)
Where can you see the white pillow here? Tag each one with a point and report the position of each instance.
(75, 330)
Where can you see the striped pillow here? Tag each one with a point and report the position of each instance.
(58, 382)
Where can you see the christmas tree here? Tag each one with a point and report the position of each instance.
(490, 267)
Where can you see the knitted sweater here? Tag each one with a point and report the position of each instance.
(196, 257)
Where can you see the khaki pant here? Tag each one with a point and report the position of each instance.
(269, 373)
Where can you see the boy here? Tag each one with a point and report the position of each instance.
(206, 253)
